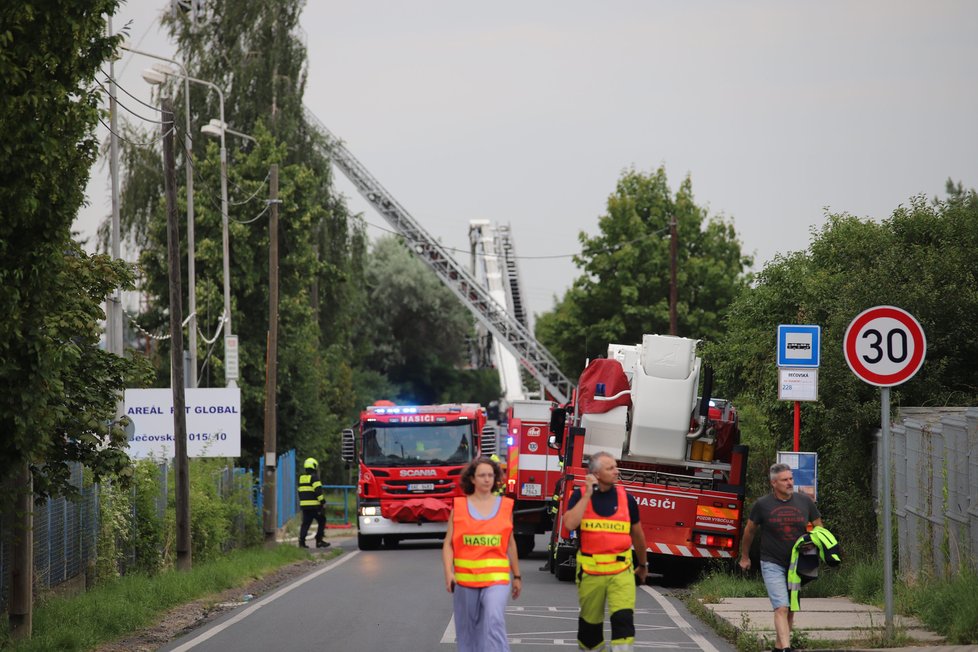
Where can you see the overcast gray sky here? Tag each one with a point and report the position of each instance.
(526, 112)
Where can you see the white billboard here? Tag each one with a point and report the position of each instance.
(213, 422)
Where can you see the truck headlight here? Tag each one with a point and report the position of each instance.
(370, 510)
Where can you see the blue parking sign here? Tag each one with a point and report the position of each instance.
(798, 345)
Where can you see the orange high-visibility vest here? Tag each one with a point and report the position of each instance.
(606, 540)
(481, 546)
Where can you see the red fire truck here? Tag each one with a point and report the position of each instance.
(533, 470)
(409, 460)
(678, 454)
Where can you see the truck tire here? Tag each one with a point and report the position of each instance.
(368, 542)
(524, 545)
(565, 564)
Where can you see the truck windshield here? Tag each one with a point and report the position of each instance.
(416, 445)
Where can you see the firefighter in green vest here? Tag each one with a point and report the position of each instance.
(313, 503)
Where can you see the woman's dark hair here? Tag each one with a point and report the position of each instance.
(468, 486)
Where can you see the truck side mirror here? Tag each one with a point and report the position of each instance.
(348, 449)
(558, 421)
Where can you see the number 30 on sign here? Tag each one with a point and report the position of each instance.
(885, 346)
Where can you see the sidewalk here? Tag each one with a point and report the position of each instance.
(831, 623)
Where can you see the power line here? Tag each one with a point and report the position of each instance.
(131, 142)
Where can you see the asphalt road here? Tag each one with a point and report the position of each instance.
(395, 599)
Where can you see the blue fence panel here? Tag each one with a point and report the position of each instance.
(342, 501)
(285, 491)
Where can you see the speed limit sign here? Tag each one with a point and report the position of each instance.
(885, 346)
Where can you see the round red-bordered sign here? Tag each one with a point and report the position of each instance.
(884, 346)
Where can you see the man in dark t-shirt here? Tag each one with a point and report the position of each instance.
(781, 516)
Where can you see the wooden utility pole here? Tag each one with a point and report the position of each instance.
(673, 273)
(22, 560)
(269, 516)
(181, 462)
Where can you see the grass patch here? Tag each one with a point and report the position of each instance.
(128, 603)
(947, 607)
(719, 584)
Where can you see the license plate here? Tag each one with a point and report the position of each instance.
(531, 489)
(421, 486)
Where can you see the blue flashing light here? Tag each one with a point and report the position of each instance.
(509, 441)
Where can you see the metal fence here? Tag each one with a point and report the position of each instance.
(338, 497)
(66, 532)
(285, 491)
(65, 537)
(934, 466)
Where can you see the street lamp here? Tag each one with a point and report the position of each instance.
(156, 76)
(191, 273)
(214, 127)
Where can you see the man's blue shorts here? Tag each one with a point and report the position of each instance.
(776, 582)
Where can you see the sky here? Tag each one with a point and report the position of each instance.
(526, 113)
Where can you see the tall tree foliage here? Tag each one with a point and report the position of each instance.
(57, 388)
(922, 259)
(418, 333)
(253, 51)
(623, 291)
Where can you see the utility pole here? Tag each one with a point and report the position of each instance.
(181, 462)
(673, 273)
(22, 558)
(269, 515)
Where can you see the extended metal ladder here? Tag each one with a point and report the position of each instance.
(503, 326)
(488, 267)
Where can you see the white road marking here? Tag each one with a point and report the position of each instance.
(244, 613)
(684, 626)
(449, 635)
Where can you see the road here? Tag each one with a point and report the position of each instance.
(395, 599)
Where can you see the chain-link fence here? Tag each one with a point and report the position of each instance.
(65, 537)
(66, 532)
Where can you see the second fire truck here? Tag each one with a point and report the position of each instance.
(679, 455)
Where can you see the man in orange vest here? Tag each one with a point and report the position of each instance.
(609, 528)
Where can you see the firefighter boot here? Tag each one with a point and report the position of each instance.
(322, 544)
(302, 543)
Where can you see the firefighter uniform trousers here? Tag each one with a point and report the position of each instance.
(619, 591)
(605, 573)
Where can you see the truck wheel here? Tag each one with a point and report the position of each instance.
(565, 564)
(524, 545)
(367, 542)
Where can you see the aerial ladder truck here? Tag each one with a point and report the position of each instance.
(532, 468)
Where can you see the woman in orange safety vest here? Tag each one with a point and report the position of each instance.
(479, 555)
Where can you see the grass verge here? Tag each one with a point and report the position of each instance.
(947, 607)
(126, 604)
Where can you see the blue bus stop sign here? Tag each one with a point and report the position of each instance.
(799, 345)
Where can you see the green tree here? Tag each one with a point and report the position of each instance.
(922, 259)
(418, 332)
(623, 291)
(253, 50)
(59, 389)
